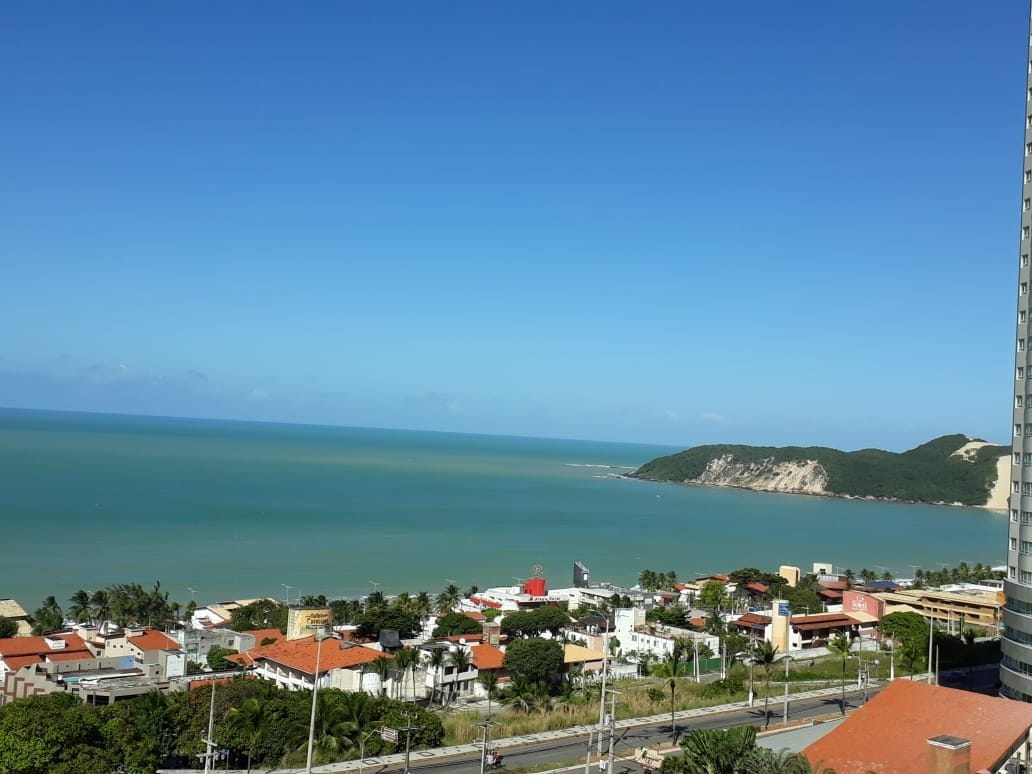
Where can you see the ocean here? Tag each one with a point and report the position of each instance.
(238, 509)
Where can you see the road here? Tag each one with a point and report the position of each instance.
(627, 740)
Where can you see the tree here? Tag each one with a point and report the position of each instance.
(263, 614)
(766, 655)
(535, 660)
(437, 659)
(376, 618)
(459, 659)
(448, 599)
(489, 679)
(80, 610)
(217, 660)
(451, 624)
(839, 646)
(406, 661)
(904, 627)
(911, 655)
(718, 751)
(47, 617)
(382, 667)
(8, 628)
(712, 595)
(53, 733)
(251, 718)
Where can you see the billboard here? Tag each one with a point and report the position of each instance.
(307, 621)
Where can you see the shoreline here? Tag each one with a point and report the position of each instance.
(829, 495)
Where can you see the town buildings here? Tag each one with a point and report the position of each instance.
(1016, 641)
(911, 727)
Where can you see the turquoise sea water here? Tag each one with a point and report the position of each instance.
(236, 509)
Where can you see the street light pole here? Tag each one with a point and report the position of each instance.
(612, 727)
(602, 696)
(287, 589)
(319, 637)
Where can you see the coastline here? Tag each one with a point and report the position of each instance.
(990, 504)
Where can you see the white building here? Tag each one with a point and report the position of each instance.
(636, 635)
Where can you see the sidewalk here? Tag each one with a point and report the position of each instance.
(511, 742)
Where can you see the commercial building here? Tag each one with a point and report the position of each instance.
(1016, 640)
(952, 611)
(911, 727)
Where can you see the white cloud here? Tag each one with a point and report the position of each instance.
(709, 416)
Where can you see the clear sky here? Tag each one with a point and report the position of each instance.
(667, 222)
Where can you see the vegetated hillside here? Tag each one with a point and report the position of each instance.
(928, 473)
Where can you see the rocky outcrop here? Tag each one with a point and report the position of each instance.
(766, 475)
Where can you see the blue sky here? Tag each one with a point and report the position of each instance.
(665, 222)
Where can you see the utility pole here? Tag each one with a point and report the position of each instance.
(612, 725)
(208, 743)
(485, 725)
(602, 697)
(408, 739)
(931, 638)
(587, 757)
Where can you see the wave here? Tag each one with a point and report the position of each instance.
(595, 465)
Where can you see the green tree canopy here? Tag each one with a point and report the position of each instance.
(535, 660)
(263, 614)
(217, 658)
(456, 623)
(8, 628)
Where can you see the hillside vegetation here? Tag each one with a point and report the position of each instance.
(928, 473)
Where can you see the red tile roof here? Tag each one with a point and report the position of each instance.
(487, 657)
(64, 655)
(300, 654)
(759, 588)
(753, 619)
(476, 615)
(834, 585)
(154, 640)
(890, 733)
(17, 662)
(830, 594)
(26, 646)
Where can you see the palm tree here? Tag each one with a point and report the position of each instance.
(489, 679)
(910, 655)
(383, 667)
(252, 718)
(764, 761)
(423, 605)
(766, 655)
(448, 599)
(718, 751)
(47, 617)
(839, 646)
(437, 657)
(80, 610)
(100, 604)
(460, 659)
(405, 660)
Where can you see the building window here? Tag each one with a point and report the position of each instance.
(1026, 517)
(1028, 175)
(1024, 232)
(1017, 429)
(1028, 458)
(1028, 149)
(1018, 400)
(1024, 259)
(1014, 544)
(1021, 372)
(1014, 514)
(1026, 547)
(1021, 345)
(1026, 204)
(1026, 578)
(1022, 315)
(1024, 288)
(1012, 572)
(1026, 488)
(1017, 460)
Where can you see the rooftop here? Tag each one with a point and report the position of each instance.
(487, 657)
(154, 640)
(37, 646)
(300, 654)
(11, 609)
(904, 716)
(576, 654)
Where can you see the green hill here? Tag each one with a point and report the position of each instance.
(929, 473)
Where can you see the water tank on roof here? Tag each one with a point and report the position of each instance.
(535, 587)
